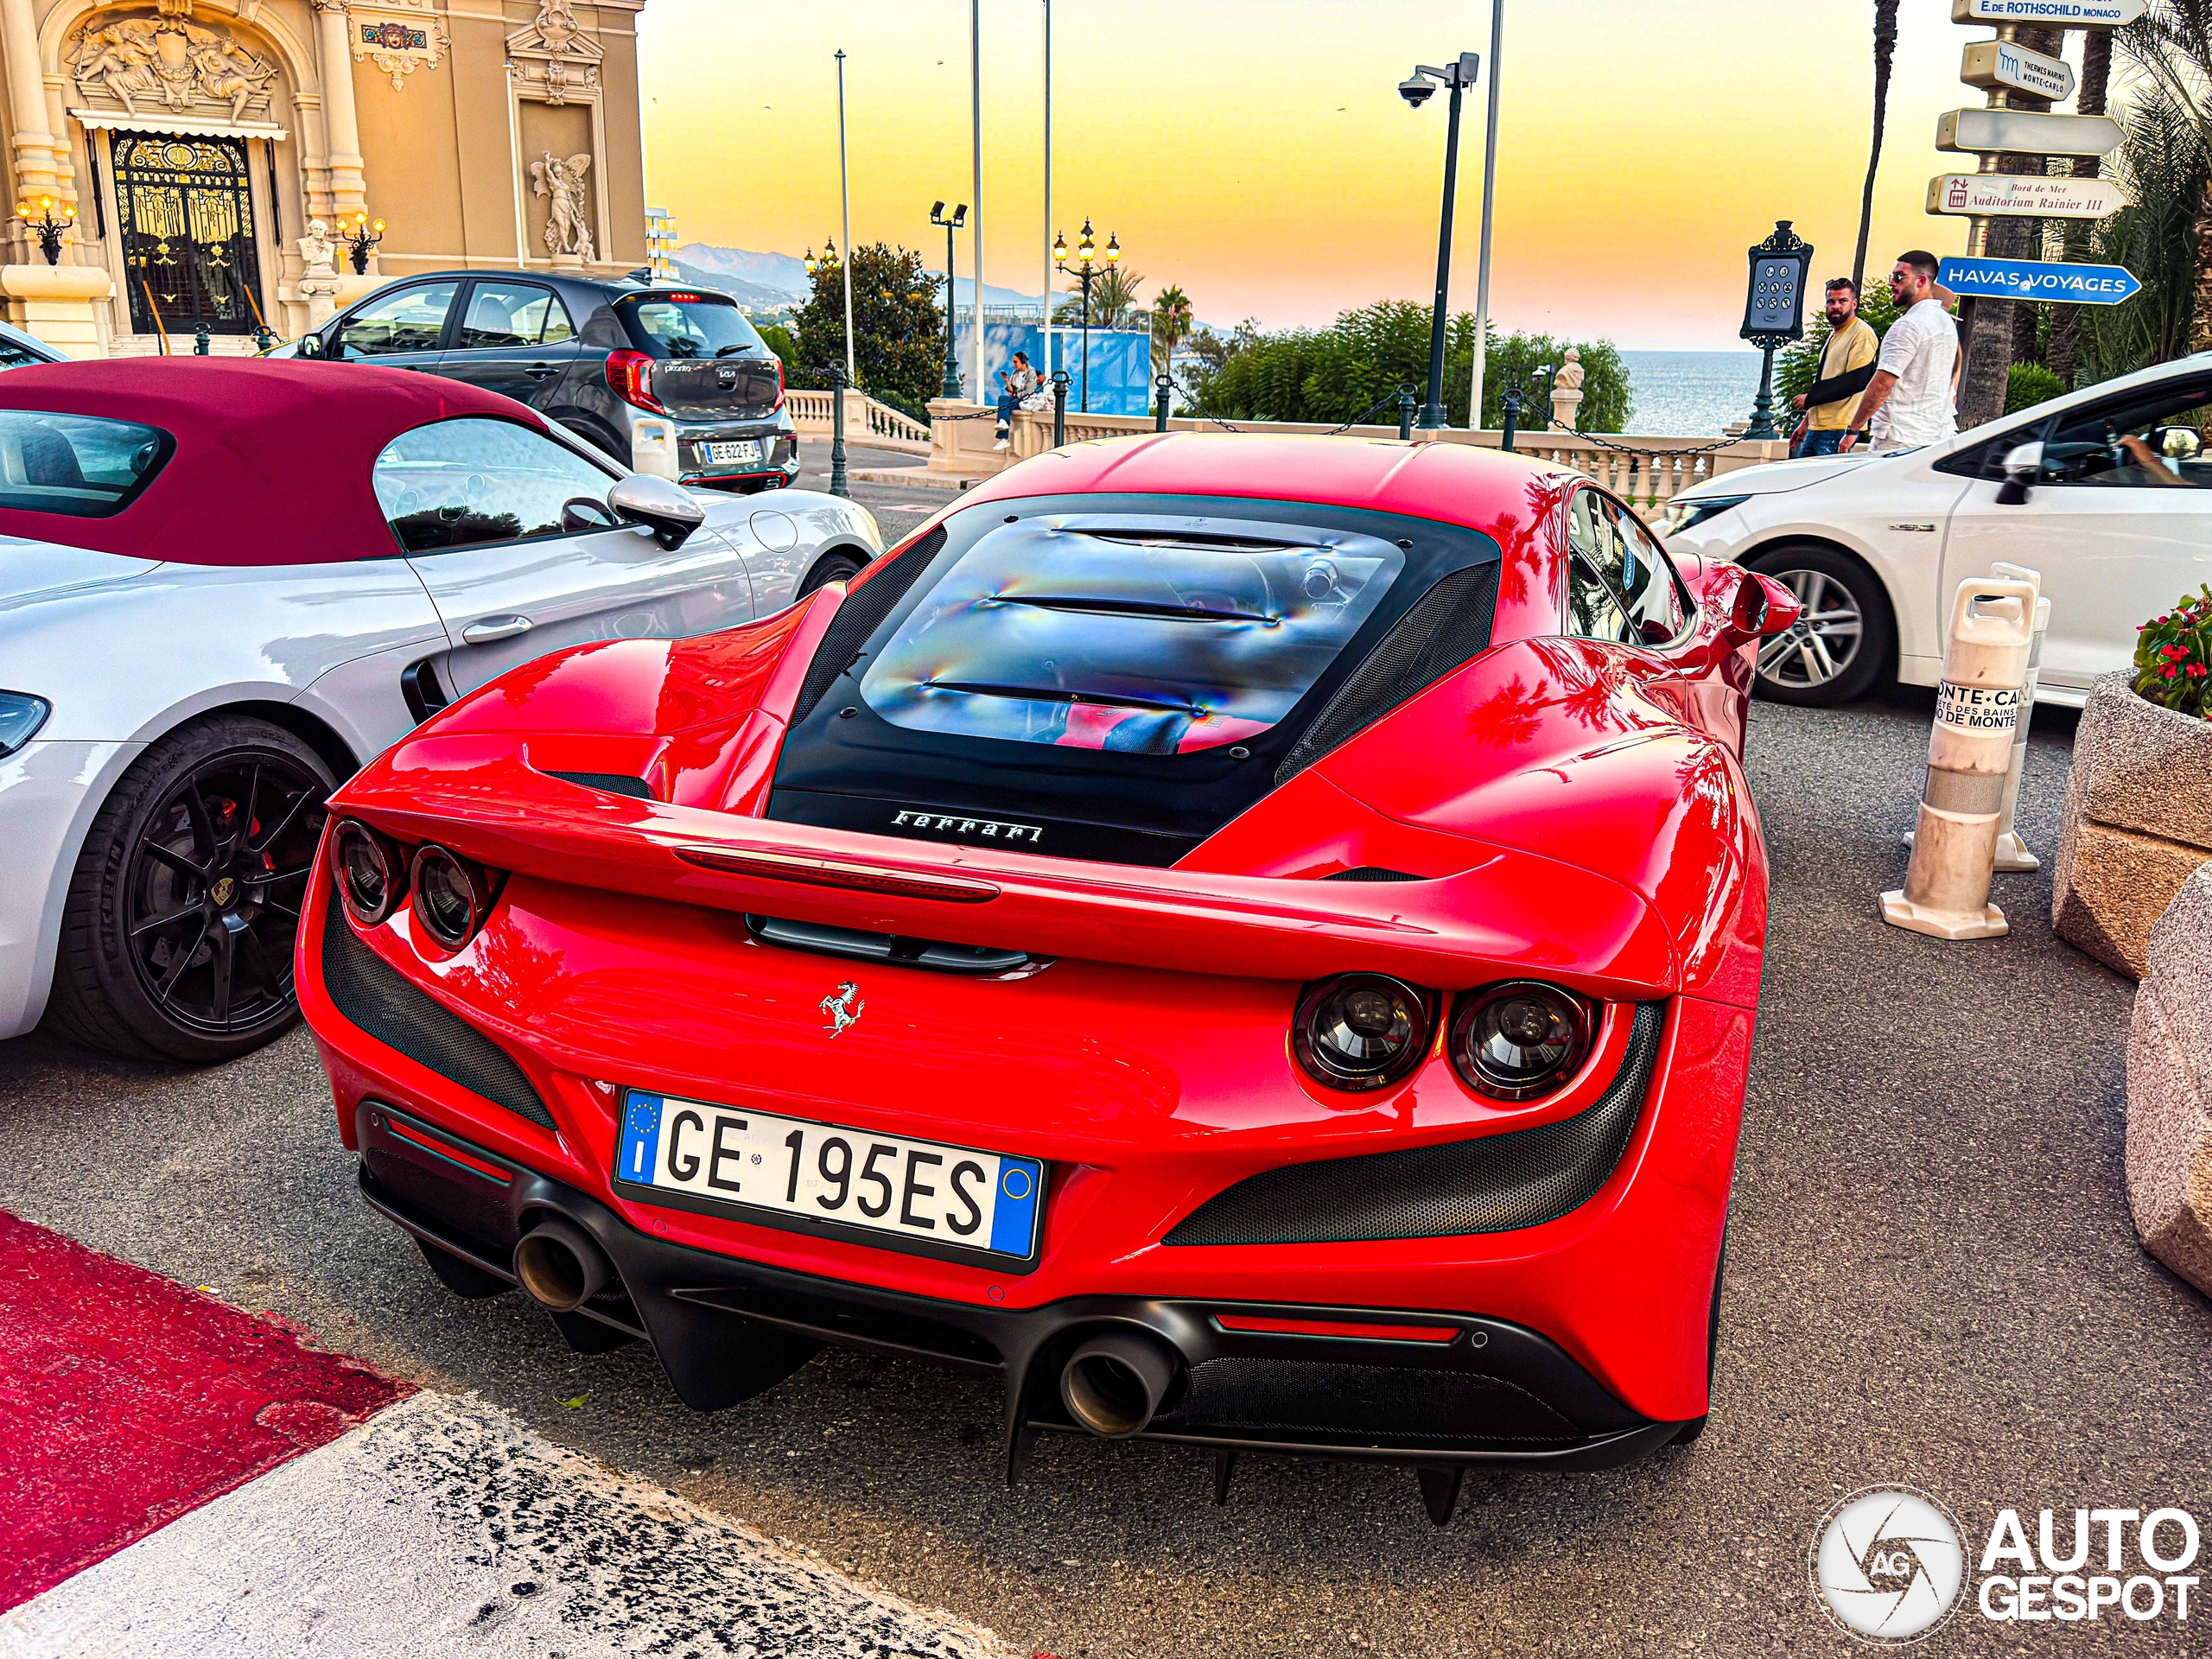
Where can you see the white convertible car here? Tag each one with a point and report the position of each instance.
(226, 584)
(2108, 491)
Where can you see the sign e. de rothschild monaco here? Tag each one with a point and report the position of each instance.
(2071, 13)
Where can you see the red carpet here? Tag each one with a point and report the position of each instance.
(126, 1400)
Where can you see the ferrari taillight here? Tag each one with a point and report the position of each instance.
(453, 895)
(370, 872)
(630, 377)
(1521, 1040)
(1360, 1031)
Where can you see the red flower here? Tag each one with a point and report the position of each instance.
(2168, 672)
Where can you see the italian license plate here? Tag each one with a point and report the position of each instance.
(737, 449)
(913, 1192)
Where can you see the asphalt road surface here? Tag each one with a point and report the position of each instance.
(1931, 1279)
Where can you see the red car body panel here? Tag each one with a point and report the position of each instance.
(1576, 812)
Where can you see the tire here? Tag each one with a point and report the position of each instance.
(1823, 663)
(177, 934)
(830, 566)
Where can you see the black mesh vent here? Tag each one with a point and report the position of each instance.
(1451, 624)
(1325, 1398)
(1489, 1184)
(614, 783)
(380, 1002)
(1372, 872)
(857, 618)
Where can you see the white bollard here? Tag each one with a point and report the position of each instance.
(2013, 854)
(1945, 892)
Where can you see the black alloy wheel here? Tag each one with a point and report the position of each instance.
(831, 567)
(178, 936)
(1844, 637)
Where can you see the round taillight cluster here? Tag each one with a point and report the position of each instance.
(452, 895)
(1519, 1041)
(372, 874)
(1514, 1041)
(1361, 1031)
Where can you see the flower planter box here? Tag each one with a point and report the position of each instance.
(2138, 822)
(2170, 1088)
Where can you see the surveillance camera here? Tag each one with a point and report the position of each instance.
(1416, 91)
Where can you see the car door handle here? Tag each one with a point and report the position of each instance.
(485, 630)
(540, 370)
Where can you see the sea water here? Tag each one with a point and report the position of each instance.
(1691, 394)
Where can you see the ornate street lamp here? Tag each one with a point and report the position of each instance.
(952, 387)
(360, 239)
(827, 261)
(1086, 272)
(49, 228)
(1417, 89)
(1774, 312)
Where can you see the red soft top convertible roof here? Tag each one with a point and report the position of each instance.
(272, 458)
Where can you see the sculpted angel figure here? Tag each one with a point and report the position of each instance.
(568, 230)
(119, 57)
(224, 71)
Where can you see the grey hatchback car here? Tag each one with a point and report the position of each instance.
(673, 381)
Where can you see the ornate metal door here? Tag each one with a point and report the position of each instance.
(185, 211)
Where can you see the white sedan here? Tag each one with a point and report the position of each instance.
(226, 584)
(2107, 491)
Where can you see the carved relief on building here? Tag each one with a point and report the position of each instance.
(398, 36)
(556, 59)
(568, 220)
(155, 62)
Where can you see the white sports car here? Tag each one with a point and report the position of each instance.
(2107, 491)
(224, 585)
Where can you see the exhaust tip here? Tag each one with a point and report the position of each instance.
(559, 1267)
(1113, 1384)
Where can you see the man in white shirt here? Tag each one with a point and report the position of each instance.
(1913, 396)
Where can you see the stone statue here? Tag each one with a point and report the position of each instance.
(167, 62)
(568, 226)
(317, 251)
(1566, 389)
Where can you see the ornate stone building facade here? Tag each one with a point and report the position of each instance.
(198, 142)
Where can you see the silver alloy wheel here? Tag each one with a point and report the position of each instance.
(1825, 639)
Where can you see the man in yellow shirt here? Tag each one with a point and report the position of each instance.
(1845, 368)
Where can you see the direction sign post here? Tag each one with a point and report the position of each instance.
(2052, 14)
(1990, 65)
(2026, 132)
(2032, 279)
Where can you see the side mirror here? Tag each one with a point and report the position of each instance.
(1757, 607)
(2023, 467)
(660, 504)
(309, 345)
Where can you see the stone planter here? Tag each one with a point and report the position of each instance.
(2137, 822)
(2170, 1088)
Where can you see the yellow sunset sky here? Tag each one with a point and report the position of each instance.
(1257, 151)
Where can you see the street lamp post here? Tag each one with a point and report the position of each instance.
(1086, 272)
(1774, 312)
(952, 387)
(845, 194)
(1417, 89)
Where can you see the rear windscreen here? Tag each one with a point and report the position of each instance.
(77, 465)
(686, 325)
(1144, 635)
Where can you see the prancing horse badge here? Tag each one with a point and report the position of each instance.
(843, 1006)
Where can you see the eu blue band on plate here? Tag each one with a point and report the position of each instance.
(640, 1149)
(1014, 1222)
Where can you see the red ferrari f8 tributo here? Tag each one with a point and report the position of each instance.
(1253, 941)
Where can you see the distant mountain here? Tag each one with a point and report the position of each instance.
(757, 296)
(779, 272)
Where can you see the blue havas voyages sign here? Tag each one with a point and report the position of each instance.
(2030, 279)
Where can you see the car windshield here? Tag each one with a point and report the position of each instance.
(76, 465)
(1147, 635)
(686, 325)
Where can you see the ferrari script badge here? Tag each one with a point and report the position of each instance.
(844, 1007)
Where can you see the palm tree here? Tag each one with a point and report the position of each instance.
(2173, 44)
(1885, 46)
(1112, 299)
(1172, 322)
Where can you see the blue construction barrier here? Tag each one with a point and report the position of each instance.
(1121, 363)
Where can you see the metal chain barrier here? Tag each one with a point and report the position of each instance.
(1630, 449)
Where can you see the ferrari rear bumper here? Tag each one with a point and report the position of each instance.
(1440, 1390)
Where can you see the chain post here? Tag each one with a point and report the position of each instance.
(1406, 407)
(838, 485)
(1512, 402)
(1163, 386)
(202, 344)
(1060, 379)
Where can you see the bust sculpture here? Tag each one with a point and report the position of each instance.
(317, 252)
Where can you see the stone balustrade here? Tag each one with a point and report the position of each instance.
(1645, 471)
(878, 425)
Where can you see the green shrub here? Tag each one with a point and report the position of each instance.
(2173, 656)
(2028, 383)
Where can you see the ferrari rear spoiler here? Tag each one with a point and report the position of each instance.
(1510, 912)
